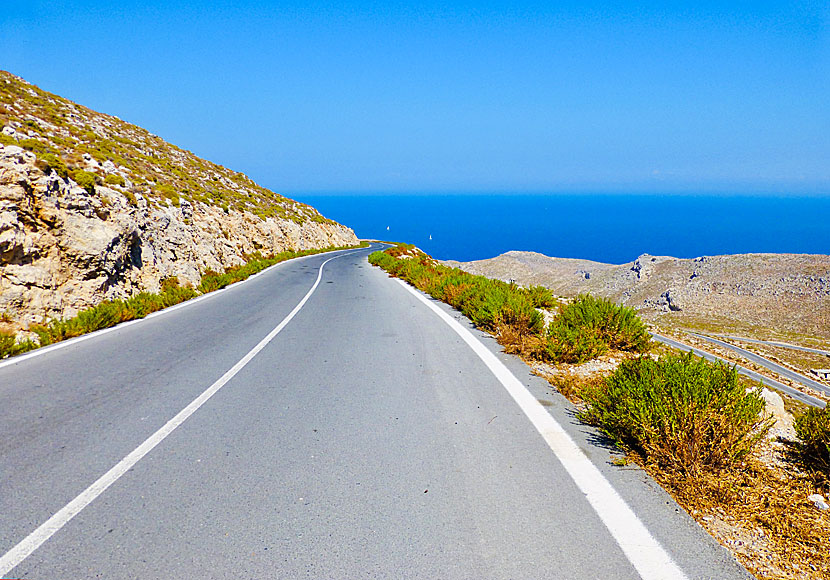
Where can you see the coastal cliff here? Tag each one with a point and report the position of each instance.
(93, 208)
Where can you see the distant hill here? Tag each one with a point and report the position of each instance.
(93, 207)
(781, 294)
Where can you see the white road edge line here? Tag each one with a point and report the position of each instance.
(46, 530)
(644, 552)
(169, 309)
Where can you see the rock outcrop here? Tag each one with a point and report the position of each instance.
(94, 208)
(63, 249)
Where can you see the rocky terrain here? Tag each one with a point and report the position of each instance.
(769, 294)
(93, 208)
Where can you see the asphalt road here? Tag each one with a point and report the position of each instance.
(768, 364)
(778, 344)
(795, 393)
(363, 438)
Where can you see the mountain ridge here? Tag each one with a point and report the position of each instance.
(780, 293)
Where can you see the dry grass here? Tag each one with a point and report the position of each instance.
(516, 340)
(759, 513)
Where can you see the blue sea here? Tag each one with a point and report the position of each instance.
(611, 228)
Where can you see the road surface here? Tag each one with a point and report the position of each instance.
(320, 420)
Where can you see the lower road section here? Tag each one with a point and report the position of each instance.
(343, 430)
(768, 364)
(793, 392)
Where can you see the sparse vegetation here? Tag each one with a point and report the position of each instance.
(114, 179)
(69, 131)
(131, 198)
(583, 330)
(51, 162)
(85, 179)
(168, 192)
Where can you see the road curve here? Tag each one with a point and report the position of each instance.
(364, 438)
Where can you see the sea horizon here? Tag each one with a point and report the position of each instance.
(611, 227)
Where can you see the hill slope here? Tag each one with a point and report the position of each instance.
(781, 293)
(94, 208)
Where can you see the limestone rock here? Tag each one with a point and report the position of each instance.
(63, 249)
(784, 426)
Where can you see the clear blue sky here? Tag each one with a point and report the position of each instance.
(454, 96)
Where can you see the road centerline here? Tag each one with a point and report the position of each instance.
(644, 552)
(35, 539)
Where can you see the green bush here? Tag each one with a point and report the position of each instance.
(85, 179)
(112, 312)
(540, 296)
(589, 326)
(34, 145)
(489, 304)
(51, 162)
(584, 329)
(572, 345)
(131, 198)
(169, 192)
(114, 179)
(813, 428)
(10, 347)
(680, 411)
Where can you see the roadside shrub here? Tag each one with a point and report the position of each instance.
(85, 179)
(572, 345)
(10, 347)
(584, 329)
(587, 327)
(540, 297)
(813, 428)
(113, 312)
(682, 412)
(489, 304)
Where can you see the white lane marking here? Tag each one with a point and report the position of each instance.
(77, 339)
(34, 540)
(644, 552)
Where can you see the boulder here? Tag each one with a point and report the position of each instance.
(783, 426)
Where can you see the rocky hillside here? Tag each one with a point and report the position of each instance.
(94, 208)
(774, 293)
